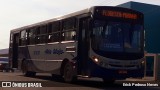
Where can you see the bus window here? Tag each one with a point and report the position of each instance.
(117, 36)
(54, 32)
(49, 27)
(43, 29)
(108, 36)
(69, 29)
(23, 36)
(55, 27)
(37, 38)
(133, 38)
(31, 36)
(43, 34)
(42, 38)
(67, 36)
(69, 24)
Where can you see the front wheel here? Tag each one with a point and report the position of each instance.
(68, 73)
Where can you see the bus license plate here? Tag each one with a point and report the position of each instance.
(122, 72)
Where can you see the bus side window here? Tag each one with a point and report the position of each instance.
(68, 29)
(69, 35)
(54, 32)
(31, 36)
(43, 34)
(50, 38)
(22, 39)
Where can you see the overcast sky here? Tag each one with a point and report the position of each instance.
(18, 13)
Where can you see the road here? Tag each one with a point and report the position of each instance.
(49, 83)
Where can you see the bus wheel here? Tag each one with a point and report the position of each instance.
(68, 73)
(108, 81)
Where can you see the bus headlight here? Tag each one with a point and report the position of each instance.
(95, 59)
(142, 62)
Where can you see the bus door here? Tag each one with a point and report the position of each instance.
(83, 46)
(15, 50)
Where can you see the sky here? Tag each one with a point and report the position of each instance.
(19, 13)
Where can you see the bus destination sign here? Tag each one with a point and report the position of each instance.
(119, 14)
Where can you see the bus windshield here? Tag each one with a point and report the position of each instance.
(112, 36)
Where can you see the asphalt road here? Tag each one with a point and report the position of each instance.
(49, 83)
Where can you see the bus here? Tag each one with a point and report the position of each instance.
(101, 41)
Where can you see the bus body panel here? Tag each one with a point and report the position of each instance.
(48, 58)
(114, 74)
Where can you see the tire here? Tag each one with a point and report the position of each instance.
(69, 73)
(25, 70)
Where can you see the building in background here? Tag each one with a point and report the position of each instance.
(4, 61)
(152, 35)
(151, 24)
(4, 52)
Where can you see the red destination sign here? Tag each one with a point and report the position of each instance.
(119, 14)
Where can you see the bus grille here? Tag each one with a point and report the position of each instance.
(127, 66)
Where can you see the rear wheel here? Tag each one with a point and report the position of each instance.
(68, 74)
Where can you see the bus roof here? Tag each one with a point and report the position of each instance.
(51, 20)
(88, 10)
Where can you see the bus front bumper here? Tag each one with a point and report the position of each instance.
(116, 74)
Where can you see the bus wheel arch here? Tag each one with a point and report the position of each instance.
(63, 65)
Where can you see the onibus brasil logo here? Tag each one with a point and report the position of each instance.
(21, 84)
